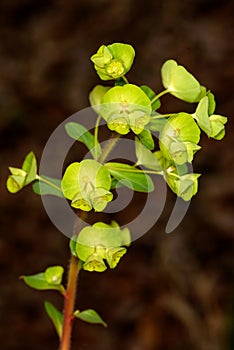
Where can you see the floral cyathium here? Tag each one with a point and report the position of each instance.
(100, 242)
(113, 61)
(87, 184)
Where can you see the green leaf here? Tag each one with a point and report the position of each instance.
(90, 316)
(39, 282)
(179, 82)
(212, 103)
(79, 133)
(15, 182)
(96, 96)
(55, 316)
(131, 177)
(30, 167)
(72, 245)
(217, 126)
(145, 157)
(120, 82)
(54, 275)
(151, 94)
(146, 139)
(201, 115)
(22, 177)
(46, 185)
(156, 124)
(70, 184)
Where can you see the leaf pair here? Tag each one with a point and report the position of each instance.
(48, 280)
(22, 177)
(211, 124)
(89, 315)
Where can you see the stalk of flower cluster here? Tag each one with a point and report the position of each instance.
(74, 269)
(69, 302)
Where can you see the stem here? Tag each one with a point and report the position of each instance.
(134, 170)
(96, 136)
(51, 184)
(125, 79)
(69, 303)
(108, 148)
(164, 92)
(161, 116)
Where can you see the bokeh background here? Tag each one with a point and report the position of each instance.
(170, 291)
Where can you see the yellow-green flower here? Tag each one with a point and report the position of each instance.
(113, 61)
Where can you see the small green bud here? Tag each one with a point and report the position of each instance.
(54, 274)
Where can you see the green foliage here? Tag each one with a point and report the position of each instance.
(211, 124)
(80, 133)
(130, 177)
(54, 275)
(45, 185)
(55, 316)
(50, 279)
(90, 316)
(180, 83)
(22, 177)
(151, 95)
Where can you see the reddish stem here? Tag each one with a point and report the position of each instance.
(69, 302)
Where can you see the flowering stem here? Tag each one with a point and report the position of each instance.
(164, 92)
(96, 136)
(125, 79)
(69, 302)
(108, 148)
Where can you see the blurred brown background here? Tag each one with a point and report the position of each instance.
(170, 291)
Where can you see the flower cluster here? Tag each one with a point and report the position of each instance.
(87, 185)
(100, 242)
(113, 61)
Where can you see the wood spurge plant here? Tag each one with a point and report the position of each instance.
(165, 145)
